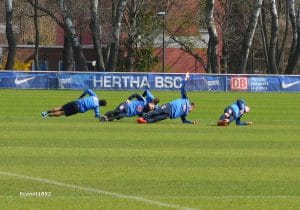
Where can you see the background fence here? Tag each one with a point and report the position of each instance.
(156, 81)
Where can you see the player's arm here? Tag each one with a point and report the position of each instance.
(89, 92)
(238, 122)
(184, 120)
(137, 96)
(148, 95)
(146, 91)
(97, 112)
(183, 91)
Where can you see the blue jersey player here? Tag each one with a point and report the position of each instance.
(234, 112)
(174, 109)
(81, 105)
(130, 107)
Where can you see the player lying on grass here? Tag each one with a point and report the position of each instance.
(234, 112)
(131, 108)
(174, 109)
(81, 105)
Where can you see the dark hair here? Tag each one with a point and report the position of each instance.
(192, 104)
(155, 101)
(102, 102)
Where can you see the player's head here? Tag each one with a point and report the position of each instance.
(151, 106)
(102, 102)
(241, 103)
(192, 106)
(247, 109)
(155, 101)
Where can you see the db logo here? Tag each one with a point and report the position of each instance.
(239, 83)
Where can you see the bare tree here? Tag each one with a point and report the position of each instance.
(67, 50)
(249, 35)
(117, 16)
(133, 9)
(264, 34)
(10, 35)
(37, 35)
(212, 64)
(186, 48)
(286, 31)
(67, 55)
(274, 38)
(294, 51)
(96, 29)
(72, 36)
(233, 23)
(187, 20)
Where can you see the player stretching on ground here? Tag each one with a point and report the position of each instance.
(234, 112)
(79, 106)
(174, 109)
(131, 108)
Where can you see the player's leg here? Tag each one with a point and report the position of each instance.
(225, 118)
(56, 109)
(164, 109)
(157, 118)
(161, 113)
(68, 109)
(121, 107)
(117, 116)
(50, 113)
(57, 113)
(114, 114)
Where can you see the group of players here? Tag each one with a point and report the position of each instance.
(146, 107)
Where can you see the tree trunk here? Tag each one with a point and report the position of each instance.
(67, 55)
(96, 29)
(10, 35)
(297, 54)
(72, 36)
(37, 36)
(132, 26)
(292, 63)
(274, 38)
(114, 45)
(249, 35)
(279, 56)
(264, 34)
(212, 64)
(265, 41)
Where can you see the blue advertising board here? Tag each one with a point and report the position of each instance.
(155, 81)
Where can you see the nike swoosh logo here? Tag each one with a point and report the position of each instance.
(21, 81)
(287, 85)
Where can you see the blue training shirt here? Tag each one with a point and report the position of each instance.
(180, 107)
(136, 107)
(90, 102)
(238, 111)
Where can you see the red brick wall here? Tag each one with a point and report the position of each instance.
(178, 61)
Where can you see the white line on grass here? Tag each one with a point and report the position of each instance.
(231, 197)
(187, 197)
(95, 190)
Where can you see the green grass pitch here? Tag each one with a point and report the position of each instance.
(167, 165)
